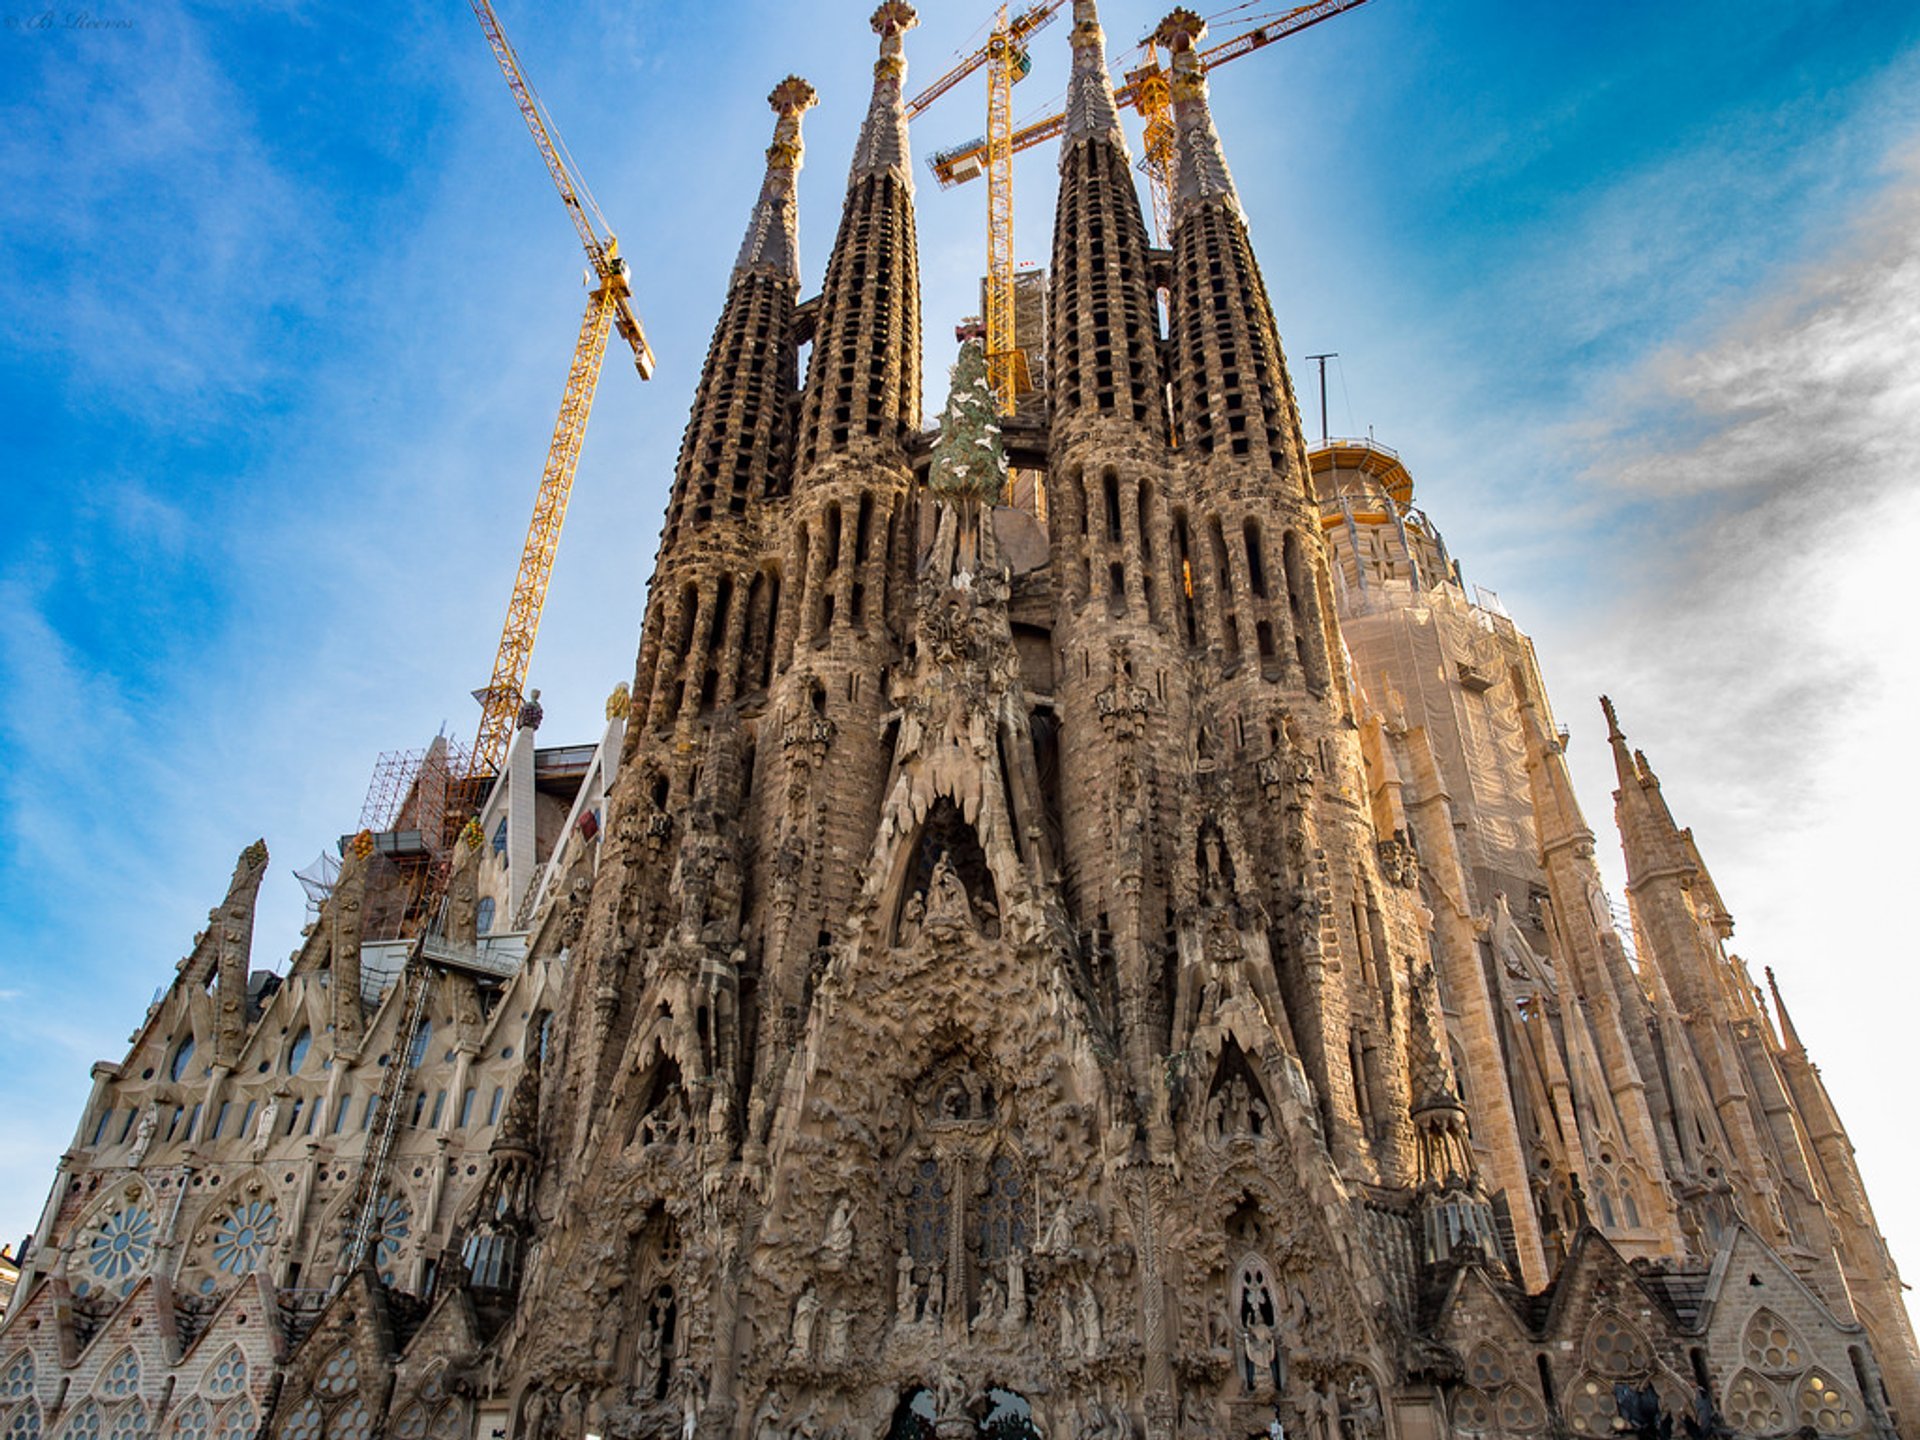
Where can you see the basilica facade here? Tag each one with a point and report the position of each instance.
(1079, 927)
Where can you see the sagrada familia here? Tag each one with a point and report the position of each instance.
(1122, 964)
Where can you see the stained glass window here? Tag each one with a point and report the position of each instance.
(229, 1376)
(193, 1421)
(123, 1244)
(927, 1215)
(243, 1235)
(122, 1377)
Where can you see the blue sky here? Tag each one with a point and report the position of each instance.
(287, 303)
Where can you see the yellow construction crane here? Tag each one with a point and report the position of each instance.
(1007, 61)
(1148, 92)
(609, 306)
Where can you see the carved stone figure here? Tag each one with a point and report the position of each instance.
(143, 1133)
(806, 1311)
(837, 1245)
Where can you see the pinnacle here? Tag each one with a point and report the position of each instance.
(793, 96)
(1091, 110)
(1180, 29)
(893, 17)
(1199, 166)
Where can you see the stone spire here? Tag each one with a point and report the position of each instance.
(230, 934)
(1200, 173)
(773, 235)
(1232, 396)
(863, 386)
(882, 148)
(1454, 1208)
(1103, 350)
(738, 440)
(1091, 111)
(500, 1220)
(1789, 1037)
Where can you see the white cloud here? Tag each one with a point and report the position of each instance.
(1757, 632)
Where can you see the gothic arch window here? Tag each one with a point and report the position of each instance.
(339, 1376)
(86, 1423)
(228, 1376)
(1825, 1404)
(192, 1421)
(1474, 1412)
(306, 1422)
(1754, 1407)
(1618, 1349)
(121, 1379)
(237, 1422)
(297, 1051)
(129, 1422)
(1001, 1215)
(1499, 1403)
(335, 1409)
(432, 1415)
(1772, 1345)
(1521, 1411)
(24, 1423)
(928, 1214)
(182, 1058)
(16, 1381)
(1589, 1406)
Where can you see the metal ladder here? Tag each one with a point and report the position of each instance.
(417, 980)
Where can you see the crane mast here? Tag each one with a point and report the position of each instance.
(609, 307)
(1148, 92)
(1005, 58)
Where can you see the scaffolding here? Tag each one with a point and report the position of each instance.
(417, 801)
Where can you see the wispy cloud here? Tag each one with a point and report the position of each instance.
(1755, 500)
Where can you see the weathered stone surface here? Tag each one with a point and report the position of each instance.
(1128, 966)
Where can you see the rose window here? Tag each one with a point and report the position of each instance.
(123, 1244)
(392, 1223)
(243, 1236)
